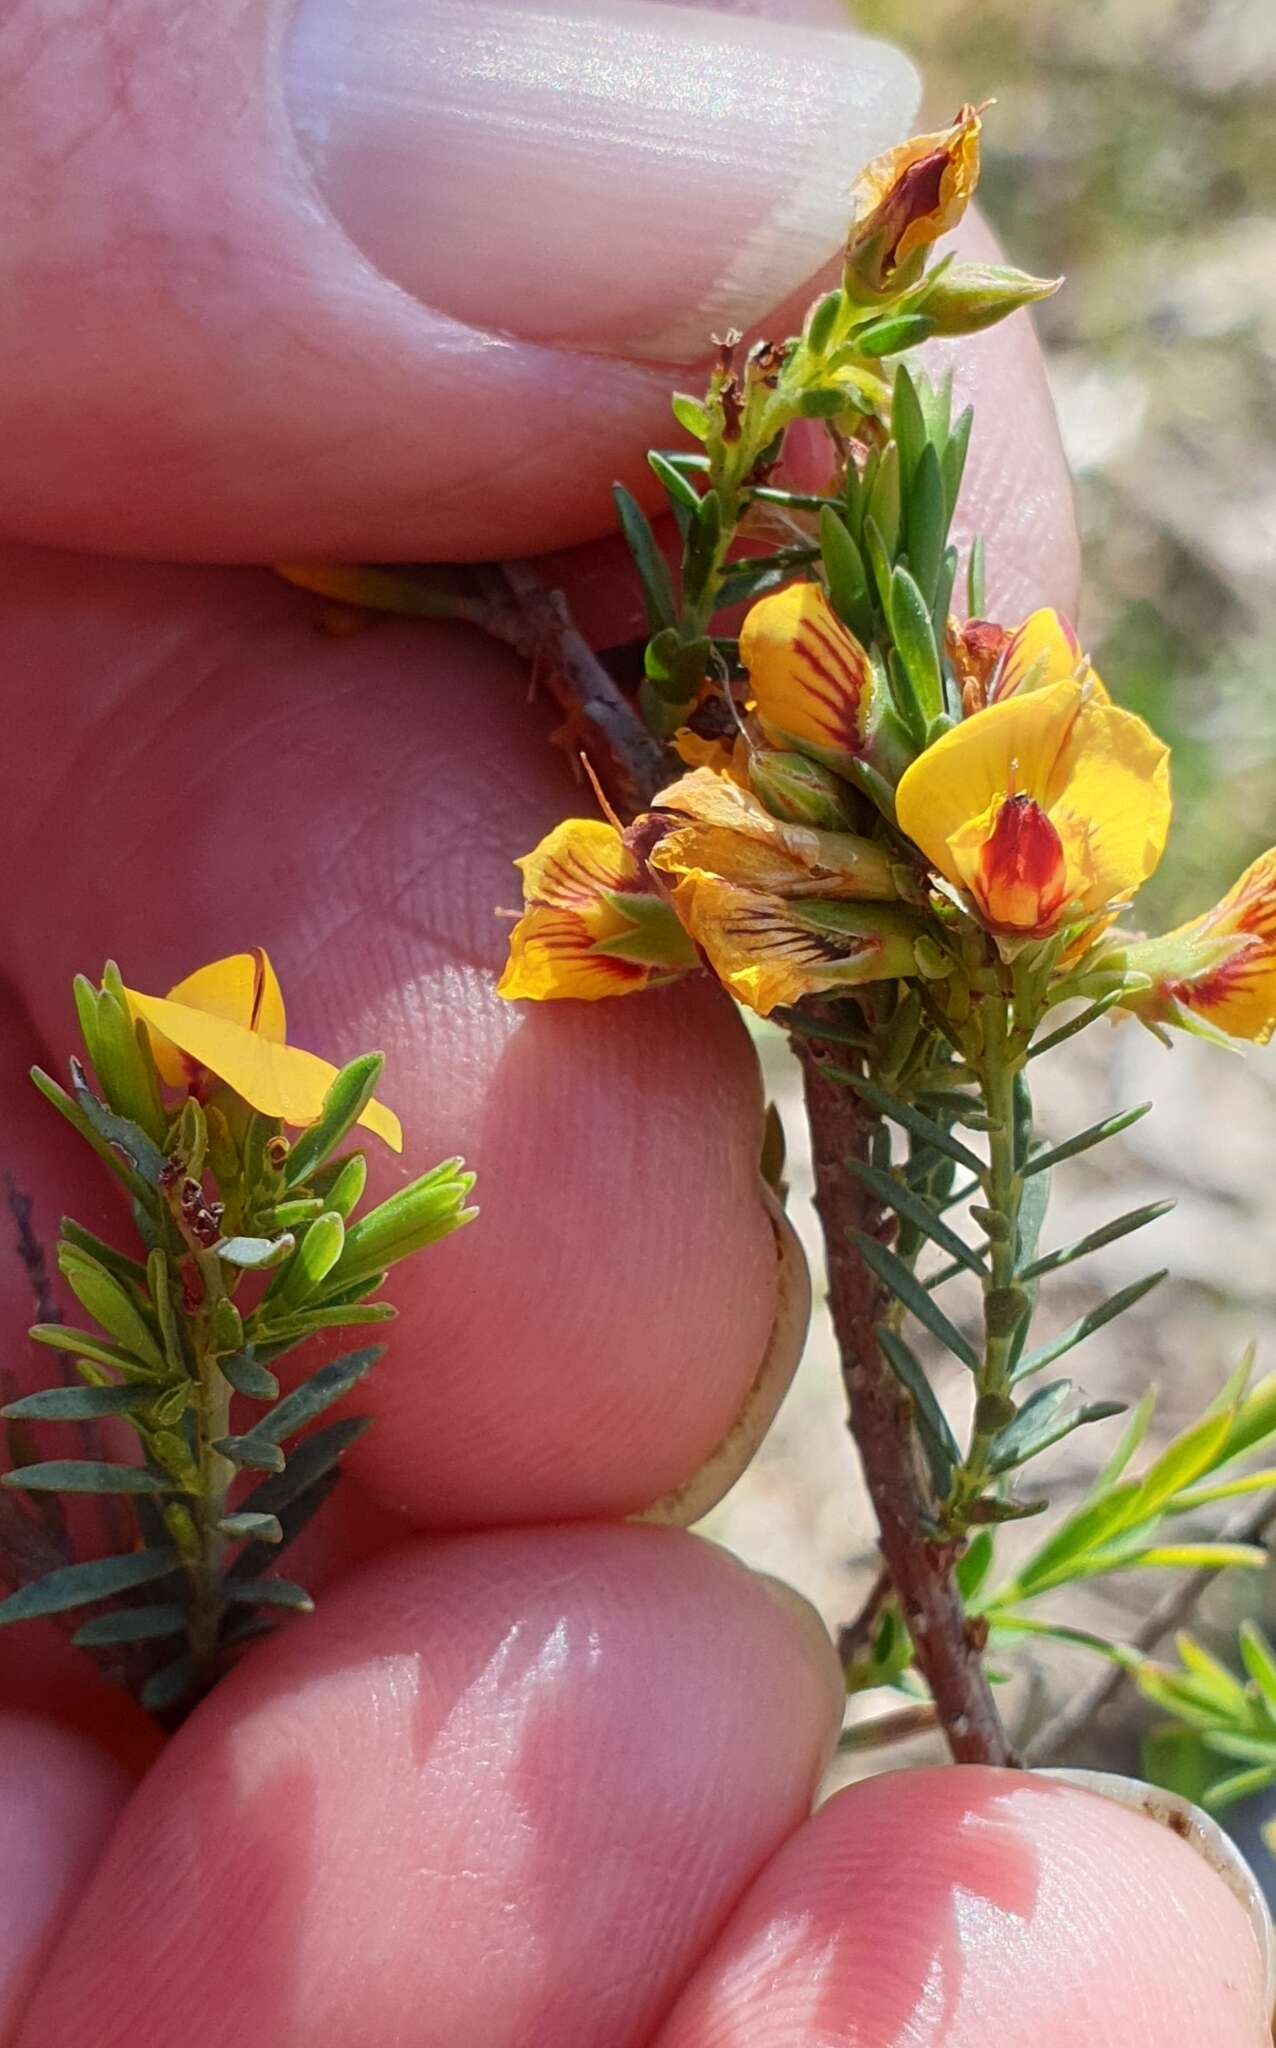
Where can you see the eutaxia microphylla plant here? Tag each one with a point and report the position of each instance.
(223, 1141)
(913, 835)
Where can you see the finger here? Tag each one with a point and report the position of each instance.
(502, 1790)
(60, 1796)
(354, 806)
(385, 279)
(960, 1907)
(39, 1162)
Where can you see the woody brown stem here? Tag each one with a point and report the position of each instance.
(946, 1646)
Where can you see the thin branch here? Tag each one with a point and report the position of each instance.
(1054, 1739)
(947, 1649)
(886, 1729)
(630, 761)
(858, 1634)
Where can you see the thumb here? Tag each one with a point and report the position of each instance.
(391, 276)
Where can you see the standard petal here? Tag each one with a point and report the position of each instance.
(1012, 748)
(811, 680)
(1044, 650)
(575, 862)
(279, 1080)
(552, 955)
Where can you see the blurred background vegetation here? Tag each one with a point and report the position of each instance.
(1132, 148)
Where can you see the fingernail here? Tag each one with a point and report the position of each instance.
(614, 176)
(1202, 1833)
(691, 1501)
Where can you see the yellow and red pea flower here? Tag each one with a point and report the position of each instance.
(1219, 968)
(592, 926)
(1048, 808)
(768, 950)
(227, 1020)
(811, 681)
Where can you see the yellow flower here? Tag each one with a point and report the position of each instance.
(725, 756)
(1044, 808)
(1044, 650)
(228, 1019)
(733, 836)
(591, 929)
(811, 680)
(1220, 967)
(769, 951)
(906, 198)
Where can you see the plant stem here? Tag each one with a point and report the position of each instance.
(947, 1649)
(996, 1065)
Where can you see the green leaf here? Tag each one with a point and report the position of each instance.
(1110, 1127)
(1177, 1759)
(132, 1625)
(74, 1115)
(691, 415)
(1084, 1532)
(1225, 1792)
(915, 641)
(938, 1441)
(269, 1593)
(653, 570)
(124, 1268)
(252, 1453)
(347, 1098)
(255, 1528)
(122, 1060)
(110, 1304)
(247, 1377)
(894, 1194)
(256, 1254)
(77, 1404)
(891, 336)
(1041, 1422)
(972, 1567)
(908, 425)
(310, 1462)
(1086, 1325)
(85, 1475)
(954, 461)
(74, 1585)
(1095, 1240)
(908, 1118)
(167, 1687)
(846, 576)
(329, 1384)
(1194, 1451)
(83, 1344)
(976, 594)
(905, 1287)
(822, 320)
(1197, 1557)
(1254, 1422)
(1132, 1437)
(420, 1214)
(677, 488)
(926, 525)
(318, 1249)
(882, 506)
(120, 1131)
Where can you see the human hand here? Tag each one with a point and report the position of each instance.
(542, 1780)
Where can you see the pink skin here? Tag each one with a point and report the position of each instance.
(520, 1784)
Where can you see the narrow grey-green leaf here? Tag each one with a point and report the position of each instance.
(938, 1440)
(905, 1287)
(249, 1378)
(653, 570)
(74, 1585)
(1041, 1422)
(252, 1528)
(908, 1117)
(69, 1109)
(82, 1344)
(329, 1384)
(926, 524)
(1041, 1162)
(255, 1454)
(1094, 1240)
(1086, 1325)
(168, 1687)
(132, 1625)
(110, 1304)
(77, 1404)
(256, 1254)
(116, 1262)
(128, 1137)
(308, 1463)
(269, 1593)
(846, 576)
(85, 1475)
(906, 1202)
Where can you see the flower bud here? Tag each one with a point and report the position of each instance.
(801, 791)
(963, 298)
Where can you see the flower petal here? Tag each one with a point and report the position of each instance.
(552, 955)
(575, 862)
(1043, 650)
(766, 951)
(1010, 749)
(279, 1080)
(733, 835)
(1110, 800)
(811, 680)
